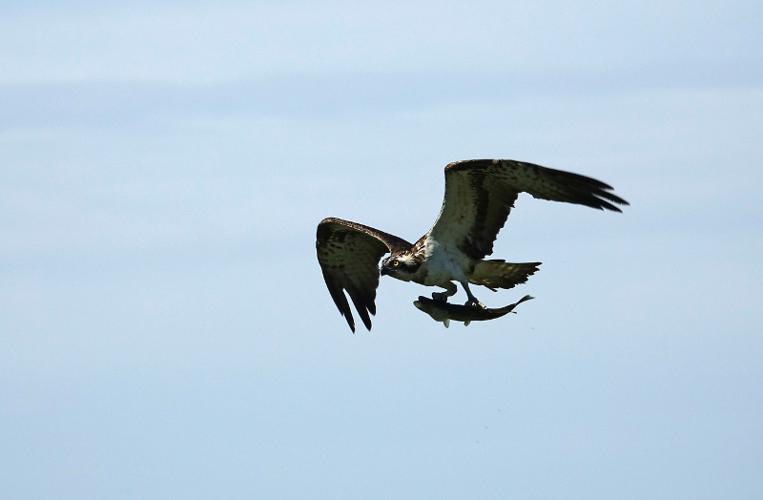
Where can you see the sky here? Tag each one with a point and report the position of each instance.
(165, 331)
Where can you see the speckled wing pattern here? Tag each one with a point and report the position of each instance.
(479, 194)
(349, 255)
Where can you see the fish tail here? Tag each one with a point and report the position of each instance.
(510, 307)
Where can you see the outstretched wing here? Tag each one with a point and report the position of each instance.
(479, 194)
(349, 255)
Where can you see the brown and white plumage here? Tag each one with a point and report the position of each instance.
(479, 194)
(349, 255)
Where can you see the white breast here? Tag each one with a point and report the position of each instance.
(442, 264)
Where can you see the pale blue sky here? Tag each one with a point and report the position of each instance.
(164, 328)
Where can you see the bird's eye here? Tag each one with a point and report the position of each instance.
(395, 263)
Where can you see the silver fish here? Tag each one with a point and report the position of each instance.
(445, 312)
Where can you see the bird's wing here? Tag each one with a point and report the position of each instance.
(479, 194)
(349, 255)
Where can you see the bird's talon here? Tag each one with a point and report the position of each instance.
(475, 303)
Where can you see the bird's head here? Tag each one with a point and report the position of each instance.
(401, 266)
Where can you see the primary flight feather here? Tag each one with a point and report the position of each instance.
(479, 194)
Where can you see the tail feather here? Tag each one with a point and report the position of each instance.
(501, 274)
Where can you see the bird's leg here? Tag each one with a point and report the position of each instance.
(472, 299)
(450, 290)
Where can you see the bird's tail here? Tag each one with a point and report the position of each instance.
(501, 274)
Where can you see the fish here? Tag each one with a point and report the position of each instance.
(444, 312)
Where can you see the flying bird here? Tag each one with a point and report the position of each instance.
(479, 194)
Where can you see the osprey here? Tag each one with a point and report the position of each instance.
(479, 194)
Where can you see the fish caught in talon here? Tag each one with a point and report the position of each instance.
(444, 312)
(479, 195)
(475, 304)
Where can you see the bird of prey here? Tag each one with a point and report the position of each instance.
(479, 194)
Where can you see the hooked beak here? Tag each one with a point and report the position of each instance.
(384, 271)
